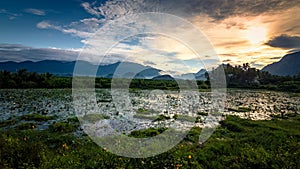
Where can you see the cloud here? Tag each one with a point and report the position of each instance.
(285, 42)
(16, 52)
(10, 15)
(33, 11)
(83, 31)
(217, 9)
(89, 9)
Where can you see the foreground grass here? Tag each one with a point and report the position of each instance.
(237, 143)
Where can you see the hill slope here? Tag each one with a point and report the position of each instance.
(288, 65)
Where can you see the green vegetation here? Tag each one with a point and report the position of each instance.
(63, 127)
(246, 77)
(161, 118)
(202, 114)
(26, 126)
(24, 79)
(240, 109)
(150, 132)
(92, 118)
(37, 117)
(237, 143)
(7, 122)
(236, 77)
(184, 118)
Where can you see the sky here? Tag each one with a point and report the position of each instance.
(228, 31)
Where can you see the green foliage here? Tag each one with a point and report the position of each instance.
(27, 125)
(241, 76)
(246, 77)
(187, 118)
(236, 143)
(72, 119)
(162, 118)
(150, 132)
(37, 117)
(7, 122)
(202, 114)
(240, 109)
(92, 118)
(63, 127)
(24, 79)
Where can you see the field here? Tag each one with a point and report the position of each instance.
(41, 129)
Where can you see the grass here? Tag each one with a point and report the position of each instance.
(150, 132)
(143, 116)
(37, 117)
(236, 143)
(161, 118)
(92, 118)
(7, 122)
(63, 127)
(240, 109)
(26, 126)
(187, 118)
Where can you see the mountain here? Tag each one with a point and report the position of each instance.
(288, 65)
(200, 75)
(163, 77)
(66, 68)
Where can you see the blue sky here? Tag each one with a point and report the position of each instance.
(240, 31)
(18, 22)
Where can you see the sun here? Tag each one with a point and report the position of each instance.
(256, 35)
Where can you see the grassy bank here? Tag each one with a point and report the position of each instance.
(237, 143)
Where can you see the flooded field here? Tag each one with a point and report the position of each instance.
(138, 109)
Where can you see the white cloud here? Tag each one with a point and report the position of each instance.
(224, 23)
(10, 15)
(35, 11)
(67, 30)
(89, 9)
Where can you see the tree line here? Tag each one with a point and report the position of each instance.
(240, 76)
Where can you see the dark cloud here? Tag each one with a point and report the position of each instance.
(227, 60)
(16, 52)
(232, 43)
(285, 42)
(149, 63)
(276, 58)
(217, 9)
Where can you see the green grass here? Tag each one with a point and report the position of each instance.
(37, 117)
(161, 118)
(150, 132)
(236, 143)
(26, 126)
(144, 116)
(63, 127)
(240, 109)
(7, 122)
(92, 118)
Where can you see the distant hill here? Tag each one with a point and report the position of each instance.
(200, 75)
(66, 68)
(288, 65)
(163, 77)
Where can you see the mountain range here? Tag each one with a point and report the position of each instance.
(118, 69)
(66, 68)
(288, 65)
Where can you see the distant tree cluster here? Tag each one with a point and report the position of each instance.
(243, 76)
(24, 79)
